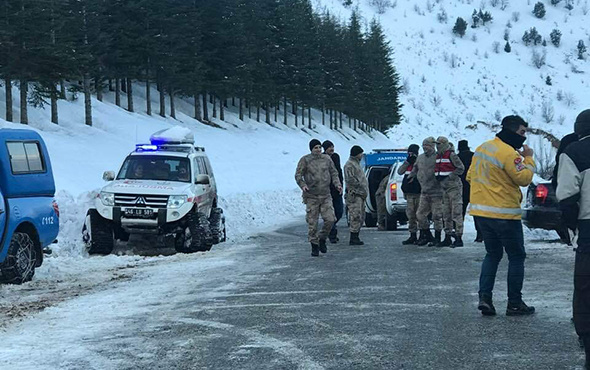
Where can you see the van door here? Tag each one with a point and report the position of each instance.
(3, 213)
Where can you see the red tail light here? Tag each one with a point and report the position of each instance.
(56, 208)
(541, 193)
(393, 191)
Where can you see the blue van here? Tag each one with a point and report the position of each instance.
(29, 215)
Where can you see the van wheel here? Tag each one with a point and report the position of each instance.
(97, 233)
(370, 220)
(197, 234)
(390, 222)
(19, 265)
(217, 222)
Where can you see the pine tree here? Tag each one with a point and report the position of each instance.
(548, 81)
(507, 47)
(581, 49)
(460, 27)
(555, 37)
(539, 10)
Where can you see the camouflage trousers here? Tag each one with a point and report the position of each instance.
(428, 204)
(413, 202)
(381, 209)
(314, 208)
(356, 212)
(453, 210)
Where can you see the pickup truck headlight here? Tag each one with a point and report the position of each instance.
(108, 199)
(176, 201)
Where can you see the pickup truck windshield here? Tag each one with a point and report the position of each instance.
(160, 168)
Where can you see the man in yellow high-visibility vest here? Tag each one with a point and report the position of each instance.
(500, 167)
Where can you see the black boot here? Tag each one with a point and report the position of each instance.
(354, 239)
(315, 250)
(447, 242)
(425, 237)
(411, 240)
(519, 309)
(436, 240)
(458, 242)
(333, 236)
(486, 306)
(322, 246)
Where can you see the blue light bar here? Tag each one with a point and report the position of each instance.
(145, 148)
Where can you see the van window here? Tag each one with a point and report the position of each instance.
(25, 157)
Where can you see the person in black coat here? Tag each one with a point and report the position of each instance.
(466, 156)
(337, 201)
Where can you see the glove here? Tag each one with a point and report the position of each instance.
(411, 159)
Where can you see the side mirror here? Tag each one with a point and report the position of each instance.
(108, 175)
(203, 180)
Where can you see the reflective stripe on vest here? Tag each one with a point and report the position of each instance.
(502, 211)
(444, 166)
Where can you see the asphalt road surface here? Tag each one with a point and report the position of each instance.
(270, 305)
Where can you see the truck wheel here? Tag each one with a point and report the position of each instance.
(97, 234)
(390, 222)
(370, 220)
(217, 222)
(197, 234)
(19, 265)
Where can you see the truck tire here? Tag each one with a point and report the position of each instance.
(370, 220)
(97, 234)
(390, 222)
(19, 265)
(197, 234)
(217, 222)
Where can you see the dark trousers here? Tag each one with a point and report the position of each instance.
(338, 211)
(499, 236)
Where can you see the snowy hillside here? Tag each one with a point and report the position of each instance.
(451, 83)
(254, 163)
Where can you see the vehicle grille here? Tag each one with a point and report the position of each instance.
(141, 200)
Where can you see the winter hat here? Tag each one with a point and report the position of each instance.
(513, 122)
(582, 125)
(414, 148)
(356, 150)
(442, 144)
(429, 141)
(463, 145)
(313, 143)
(327, 144)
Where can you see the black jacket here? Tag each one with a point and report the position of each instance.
(466, 157)
(336, 159)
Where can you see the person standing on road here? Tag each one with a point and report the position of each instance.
(315, 172)
(501, 166)
(357, 189)
(573, 194)
(431, 194)
(381, 202)
(411, 189)
(466, 156)
(447, 170)
(337, 201)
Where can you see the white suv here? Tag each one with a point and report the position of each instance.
(165, 188)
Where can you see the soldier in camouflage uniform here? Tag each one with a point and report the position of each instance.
(411, 189)
(430, 195)
(315, 172)
(448, 170)
(357, 189)
(381, 205)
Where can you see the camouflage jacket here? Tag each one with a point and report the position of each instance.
(355, 179)
(317, 172)
(424, 171)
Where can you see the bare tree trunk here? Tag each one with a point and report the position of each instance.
(341, 120)
(62, 89)
(24, 117)
(233, 101)
(205, 108)
(129, 95)
(117, 92)
(285, 110)
(124, 85)
(331, 119)
(241, 109)
(87, 101)
(276, 112)
(302, 114)
(257, 111)
(148, 96)
(98, 88)
(249, 108)
(54, 92)
(214, 102)
(211, 99)
(8, 84)
(309, 116)
(222, 102)
(323, 114)
(294, 105)
(354, 122)
(172, 107)
(267, 110)
(111, 88)
(197, 107)
(162, 100)
(349, 124)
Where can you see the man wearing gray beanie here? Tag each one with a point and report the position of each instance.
(573, 193)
